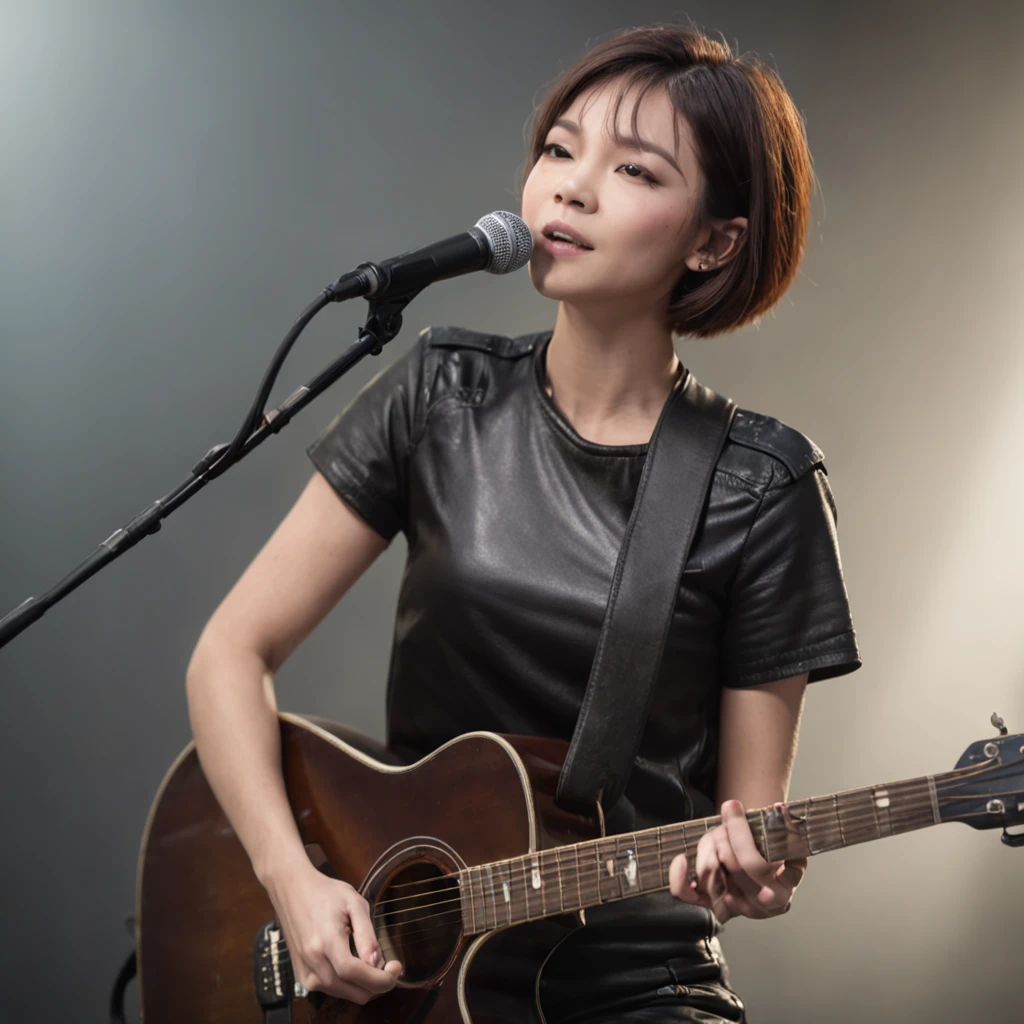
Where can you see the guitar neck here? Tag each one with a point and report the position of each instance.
(587, 874)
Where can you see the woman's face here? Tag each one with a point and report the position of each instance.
(636, 209)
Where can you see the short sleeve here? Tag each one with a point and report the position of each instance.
(364, 451)
(788, 611)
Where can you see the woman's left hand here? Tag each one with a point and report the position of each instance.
(733, 879)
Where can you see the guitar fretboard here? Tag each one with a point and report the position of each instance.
(570, 878)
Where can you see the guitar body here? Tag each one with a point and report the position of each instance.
(379, 826)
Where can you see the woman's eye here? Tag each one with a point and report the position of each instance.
(642, 174)
(551, 146)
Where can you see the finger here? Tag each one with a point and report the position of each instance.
(363, 934)
(737, 880)
(720, 896)
(677, 875)
(393, 968)
(337, 987)
(707, 863)
(352, 970)
(751, 863)
(678, 884)
(321, 976)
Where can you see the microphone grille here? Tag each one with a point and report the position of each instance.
(510, 240)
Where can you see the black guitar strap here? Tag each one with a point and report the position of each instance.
(681, 458)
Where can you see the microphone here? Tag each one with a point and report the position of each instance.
(499, 243)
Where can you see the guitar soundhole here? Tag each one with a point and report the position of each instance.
(417, 916)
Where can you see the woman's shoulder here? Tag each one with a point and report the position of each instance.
(499, 346)
(760, 450)
(463, 366)
(764, 451)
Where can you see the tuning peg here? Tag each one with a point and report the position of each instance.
(1014, 839)
(998, 723)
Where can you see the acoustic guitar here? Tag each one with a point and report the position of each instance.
(473, 873)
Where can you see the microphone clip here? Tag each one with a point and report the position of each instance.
(384, 318)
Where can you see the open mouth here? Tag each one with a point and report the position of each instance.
(561, 239)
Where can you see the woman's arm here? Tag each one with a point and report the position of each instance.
(316, 553)
(757, 744)
(758, 737)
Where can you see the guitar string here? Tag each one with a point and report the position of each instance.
(753, 818)
(643, 843)
(551, 872)
(491, 906)
(805, 807)
(426, 936)
(591, 896)
(425, 933)
(646, 843)
(847, 821)
(420, 881)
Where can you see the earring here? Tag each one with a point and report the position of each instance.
(700, 266)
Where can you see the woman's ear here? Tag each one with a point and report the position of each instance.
(723, 241)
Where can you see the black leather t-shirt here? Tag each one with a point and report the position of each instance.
(514, 524)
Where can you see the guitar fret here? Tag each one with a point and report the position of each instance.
(640, 854)
(478, 897)
(619, 863)
(812, 846)
(874, 811)
(933, 796)
(468, 890)
(483, 897)
(645, 869)
(579, 877)
(839, 820)
(856, 809)
(526, 888)
(494, 902)
(884, 804)
(539, 874)
(627, 865)
(504, 883)
(609, 875)
(558, 871)
(912, 806)
(797, 842)
(521, 909)
(662, 877)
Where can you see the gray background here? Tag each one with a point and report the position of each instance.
(179, 179)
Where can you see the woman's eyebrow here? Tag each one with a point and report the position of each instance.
(642, 144)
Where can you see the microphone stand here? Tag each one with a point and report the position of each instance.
(383, 322)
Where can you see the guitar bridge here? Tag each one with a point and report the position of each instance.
(272, 968)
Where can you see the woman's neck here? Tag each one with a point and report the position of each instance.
(610, 381)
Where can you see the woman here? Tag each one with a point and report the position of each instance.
(511, 465)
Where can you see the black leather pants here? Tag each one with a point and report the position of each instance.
(642, 960)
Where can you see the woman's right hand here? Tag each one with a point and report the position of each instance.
(318, 914)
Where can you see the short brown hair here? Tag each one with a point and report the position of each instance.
(751, 147)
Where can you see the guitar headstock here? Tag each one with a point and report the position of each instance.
(987, 788)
